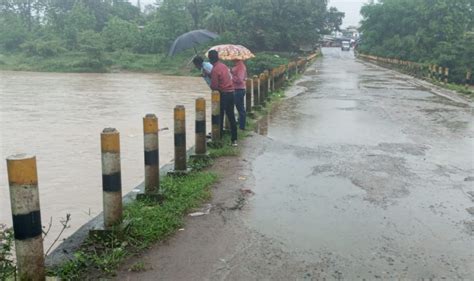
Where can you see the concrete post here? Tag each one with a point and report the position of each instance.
(468, 78)
(180, 138)
(262, 85)
(216, 116)
(281, 76)
(273, 80)
(25, 206)
(152, 155)
(200, 128)
(256, 91)
(269, 83)
(248, 95)
(111, 177)
(440, 73)
(446, 75)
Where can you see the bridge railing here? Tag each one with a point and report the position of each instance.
(431, 72)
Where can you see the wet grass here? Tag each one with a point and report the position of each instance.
(455, 87)
(148, 222)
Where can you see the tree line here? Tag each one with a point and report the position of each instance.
(430, 31)
(47, 28)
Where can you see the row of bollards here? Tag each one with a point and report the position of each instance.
(259, 87)
(23, 180)
(438, 73)
(430, 71)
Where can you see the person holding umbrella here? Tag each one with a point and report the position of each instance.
(237, 54)
(221, 80)
(239, 75)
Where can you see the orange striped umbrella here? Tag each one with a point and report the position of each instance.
(232, 52)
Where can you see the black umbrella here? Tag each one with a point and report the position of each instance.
(191, 39)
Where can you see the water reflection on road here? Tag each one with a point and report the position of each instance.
(59, 117)
(365, 175)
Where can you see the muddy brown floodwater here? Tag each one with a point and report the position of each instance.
(59, 117)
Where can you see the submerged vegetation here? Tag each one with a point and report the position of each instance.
(114, 35)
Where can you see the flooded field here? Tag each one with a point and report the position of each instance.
(59, 117)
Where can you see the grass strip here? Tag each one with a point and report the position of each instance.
(148, 222)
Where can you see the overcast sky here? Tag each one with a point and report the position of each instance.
(350, 7)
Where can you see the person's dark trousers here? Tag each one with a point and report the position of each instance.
(227, 107)
(239, 104)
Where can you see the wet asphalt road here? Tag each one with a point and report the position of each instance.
(369, 173)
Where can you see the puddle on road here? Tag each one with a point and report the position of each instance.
(370, 179)
(325, 121)
(320, 216)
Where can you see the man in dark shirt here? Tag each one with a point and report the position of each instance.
(221, 80)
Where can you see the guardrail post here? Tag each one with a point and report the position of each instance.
(262, 84)
(200, 127)
(152, 155)
(248, 95)
(256, 92)
(282, 77)
(440, 73)
(468, 79)
(216, 117)
(26, 214)
(446, 75)
(269, 83)
(273, 79)
(111, 177)
(180, 164)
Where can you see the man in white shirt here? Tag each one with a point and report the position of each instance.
(205, 68)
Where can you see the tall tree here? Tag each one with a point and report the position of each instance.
(432, 31)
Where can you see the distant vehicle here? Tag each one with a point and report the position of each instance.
(346, 46)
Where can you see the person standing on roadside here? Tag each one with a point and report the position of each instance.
(239, 75)
(221, 80)
(205, 68)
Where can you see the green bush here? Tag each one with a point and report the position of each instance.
(43, 47)
(120, 34)
(264, 61)
(7, 264)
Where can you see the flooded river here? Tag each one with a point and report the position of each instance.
(59, 117)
